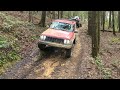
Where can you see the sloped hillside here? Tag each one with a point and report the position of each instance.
(15, 35)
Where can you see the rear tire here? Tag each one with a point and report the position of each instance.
(68, 53)
(80, 25)
(41, 46)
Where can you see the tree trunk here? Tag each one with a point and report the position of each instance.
(103, 21)
(61, 14)
(43, 18)
(53, 14)
(69, 14)
(110, 20)
(113, 23)
(58, 14)
(95, 33)
(119, 20)
(101, 18)
(89, 22)
(30, 16)
(98, 29)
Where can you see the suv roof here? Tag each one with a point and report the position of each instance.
(65, 21)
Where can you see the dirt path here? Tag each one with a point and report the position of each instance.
(53, 64)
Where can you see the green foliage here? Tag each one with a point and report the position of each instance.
(10, 22)
(13, 56)
(34, 37)
(8, 57)
(3, 42)
(115, 40)
(8, 49)
(105, 71)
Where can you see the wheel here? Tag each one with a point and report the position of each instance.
(74, 42)
(68, 53)
(80, 25)
(41, 46)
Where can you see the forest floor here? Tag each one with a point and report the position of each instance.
(52, 65)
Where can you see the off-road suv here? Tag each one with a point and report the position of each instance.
(61, 34)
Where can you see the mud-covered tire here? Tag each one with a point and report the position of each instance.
(77, 25)
(80, 25)
(68, 53)
(41, 46)
(74, 42)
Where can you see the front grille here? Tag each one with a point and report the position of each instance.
(56, 40)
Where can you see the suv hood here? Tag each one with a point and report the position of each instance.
(58, 33)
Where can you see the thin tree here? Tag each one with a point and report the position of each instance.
(98, 24)
(43, 18)
(58, 14)
(101, 18)
(69, 14)
(110, 20)
(30, 16)
(89, 22)
(53, 14)
(61, 14)
(103, 21)
(119, 20)
(113, 22)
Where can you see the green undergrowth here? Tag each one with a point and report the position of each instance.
(14, 36)
(106, 72)
(9, 51)
(115, 40)
(8, 22)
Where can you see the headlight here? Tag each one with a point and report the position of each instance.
(42, 37)
(66, 41)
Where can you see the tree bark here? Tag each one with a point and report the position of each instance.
(113, 23)
(30, 16)
(43, 18)
(53, 14)
(103, 21)
(69, 14)
(58, 14)
(95, 33)
(119, 20)
(109, 20)
(101, 18)
(61, 14)
(90, 23)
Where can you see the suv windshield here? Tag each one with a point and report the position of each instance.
(61, 26)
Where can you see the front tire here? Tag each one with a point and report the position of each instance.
(41, 46)
(74, 42)
(68, 53)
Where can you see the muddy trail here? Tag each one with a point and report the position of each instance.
(51, 64)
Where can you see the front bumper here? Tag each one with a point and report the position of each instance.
(55, 44)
